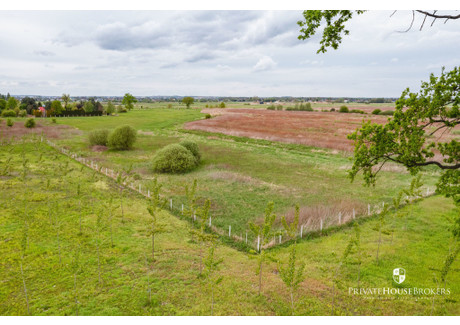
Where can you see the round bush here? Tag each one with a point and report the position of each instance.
(9, 122)
(343, 109)
(98, 137)
(9, 113)
(30, 123)
(207, 116)
(122, 138)
(376, 111)
(22, 113)
(389, 112)
(173, 158)
(193, 148)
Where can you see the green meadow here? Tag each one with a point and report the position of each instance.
(51, 266)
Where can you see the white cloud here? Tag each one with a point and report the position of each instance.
(265, 63)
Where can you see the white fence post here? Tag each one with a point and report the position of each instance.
(182, 209)
(246, 237)
(427, 191)
(148, 193)
(340, 218)
(368, 209)
(170, 204)
(301, 231)
(229, 231)
(258, 243)
(321, 225)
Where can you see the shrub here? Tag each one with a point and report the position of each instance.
(173, 158)
(53, 120)
(30, 123)
(122, 138)
(9, 113)
(99, 137)
(343, 109)
(207, 116)
(332, 109)
(376, 111)
(193, 148)
(9, 122)
(358, 111)
(271, 107)
(22, 113)
(387, 113)
(37, 113)
(222, 105)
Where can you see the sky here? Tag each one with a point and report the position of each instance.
(216, 53)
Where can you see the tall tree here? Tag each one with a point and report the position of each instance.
(66, 99)
(188, 101)
(128, 101)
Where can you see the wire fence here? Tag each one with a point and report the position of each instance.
(180, 209)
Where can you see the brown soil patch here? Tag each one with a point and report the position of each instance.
(319, 129)
(53, 131)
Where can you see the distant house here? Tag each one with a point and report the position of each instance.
(43, 110)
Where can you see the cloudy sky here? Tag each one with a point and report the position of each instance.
(216, 53)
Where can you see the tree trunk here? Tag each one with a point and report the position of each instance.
(121, 203)
(59, 243)
(153, 248)
(378, 246)
(76, 295)
(98, 263)
(25, 289)
(80, 216)
(212, 299)
(260, 278)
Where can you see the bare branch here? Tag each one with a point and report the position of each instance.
(423, 23)
(434, 15)
(412, 22)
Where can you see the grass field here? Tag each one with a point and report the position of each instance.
(45, 206)
(240, 175)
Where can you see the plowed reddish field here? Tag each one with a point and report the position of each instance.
(319, 129)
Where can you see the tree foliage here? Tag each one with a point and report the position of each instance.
(407, 138)
(188, 101)
(335, 26)
(128, 101)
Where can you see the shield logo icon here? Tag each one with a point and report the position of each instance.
(399, 275)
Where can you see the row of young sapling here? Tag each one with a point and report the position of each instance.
(278, 238)
(291, 273)
(209, 264)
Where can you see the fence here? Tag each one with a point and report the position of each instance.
(311, 226)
